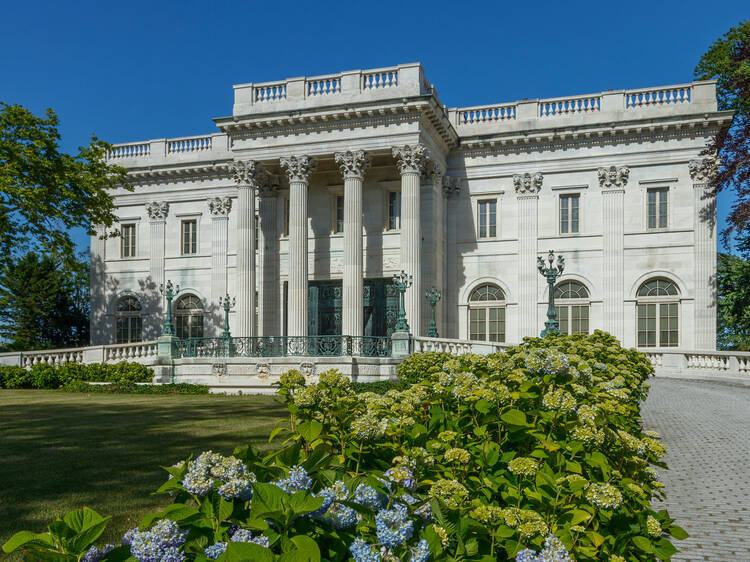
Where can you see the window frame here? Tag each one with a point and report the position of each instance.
(659, 302)
(131, 247)
(489, 201)
(335, 198)
(487, 307)
(285, 215)
(387, 226)
(194, 241)
(569, 304)
(569, 217)
(658, 207)
(128, 318)
(180, 316)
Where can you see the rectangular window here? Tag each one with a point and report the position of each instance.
(579, 319)
(129, 329)
(394, 210)
(496, 324)
(657, 207)
(487, 218)
(127, 242)
(647, 325)
(477, 321)
(285, 225)
(189, 237)
(569, 214)
(338, 223)
(487, 324)
(668, 324)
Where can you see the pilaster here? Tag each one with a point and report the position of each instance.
(704, 248)
(249, 177)
(527, 187)
(157, 212)
(299, 169)
(612, 182)
(353, 165)
(448, 305)
(411, 161)
(219, 208)
(269, 323)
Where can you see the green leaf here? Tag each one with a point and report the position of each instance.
(482, 406)
(268, 497)
(678, 532)
(304, 502)
(664, 549)
(81, 519)
(244, 551)
(83, 541)
(225, 509)
(644, 544)
(578, 516)
(310, 430)
(514, 417)
(22, 538)
(307, 551)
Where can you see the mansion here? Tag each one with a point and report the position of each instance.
(315, 191)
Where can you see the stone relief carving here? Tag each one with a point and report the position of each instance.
(353, 163)
(219, 206)
(703, 169)
(307, 369)
(451, 185)
(219, 369)
(157, 210)
(613, 176)
(298, 168)
(249, 173)
(411, 159)
(264, 370)
(528, 184)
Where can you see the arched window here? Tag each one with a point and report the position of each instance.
(188, 314)
(129, 321)
(487, 313)
(572, 306)
(658, 314)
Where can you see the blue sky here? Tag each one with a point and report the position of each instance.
(138, 70)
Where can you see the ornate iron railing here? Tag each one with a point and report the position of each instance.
(285, 346)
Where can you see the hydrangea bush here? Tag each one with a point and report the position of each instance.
(535, 454)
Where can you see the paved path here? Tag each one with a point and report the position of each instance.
(706, 429)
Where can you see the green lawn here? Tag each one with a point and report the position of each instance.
(60, 451)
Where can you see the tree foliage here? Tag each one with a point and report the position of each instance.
(44, 193)
(728, 61)
(733, 287)
(44, 303)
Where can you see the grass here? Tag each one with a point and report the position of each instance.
(60, 451)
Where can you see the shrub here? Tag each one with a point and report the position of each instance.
(379, 387)
(418, 366)
(531, 454)
(14, 377)
(44, 376)
(132, 388)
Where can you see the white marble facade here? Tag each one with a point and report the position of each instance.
(629, 160)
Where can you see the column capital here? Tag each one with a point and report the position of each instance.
(249, 173)
(411, 159)
(298, 168)
(613, 177)
(451, 185)
(352, 163)
(528, 183)
(157, 210)
(219, 206)
(702, 170)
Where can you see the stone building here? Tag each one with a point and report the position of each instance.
(315, 191)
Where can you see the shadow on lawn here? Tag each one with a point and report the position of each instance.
(57, 455)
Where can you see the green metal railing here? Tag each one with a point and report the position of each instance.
(285, 346)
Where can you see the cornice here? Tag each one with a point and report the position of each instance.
(518, 142)
(199, 172)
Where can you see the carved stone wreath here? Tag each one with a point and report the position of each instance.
(219, 206)
(528, 184)
(613, 176)
(157, 210)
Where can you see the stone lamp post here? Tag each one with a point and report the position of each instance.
(169, 292)
(227, 303)
(433, 296)
(551, 273)
(401, 337)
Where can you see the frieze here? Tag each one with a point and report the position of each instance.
(219, 206)
(157, 210)
(528, 184)
(613, 177)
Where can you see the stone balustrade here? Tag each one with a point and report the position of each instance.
(142, 352)
(182, 150)
(130, 351)
(455, 347)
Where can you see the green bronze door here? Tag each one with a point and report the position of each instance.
(324, 308)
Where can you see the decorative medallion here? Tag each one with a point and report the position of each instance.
(157, 210)
(528, 184)
(219, 206)
(613, 176)
(702, 170)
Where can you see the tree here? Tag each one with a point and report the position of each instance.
(44, 192)
(733, 287)
(728, 61)
(44, 302)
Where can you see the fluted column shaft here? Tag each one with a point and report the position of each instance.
(245, 307)
(704, 253)
(219, 208)
(298, 169)
(353, 165)
(268, 286)
(411, 160)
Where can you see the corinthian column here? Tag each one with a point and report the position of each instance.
(298, 168)
(268, 285)
(527, 188)
(704, 252)
(612, 181)
(249, 177)
(218, 208)
(157, 214)
(411, 160)
(353, 165)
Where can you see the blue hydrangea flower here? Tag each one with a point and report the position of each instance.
(159, 544)
(368, 496)
(215, 550)
(421, 553)
(127, 538)
(95, 554)
(296, 481)
(424, 511)
(363, 552)
(553, 551)
(244, 535)
(336, 514)
(232, 476)
(393, 526)
(400, 475)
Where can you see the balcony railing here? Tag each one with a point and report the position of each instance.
(285, 346)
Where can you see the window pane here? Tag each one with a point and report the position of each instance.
(477, 324)
(574, 199)
(564, 214)
(482, 219)
(662, 208)
(339, 227)
(493, 218)
(668, 325)
(562, 318)
(496, 324)
(286, 217)
(394, 210)
(647, 325)
(651, 208)
(127, 244)
(579, 319)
